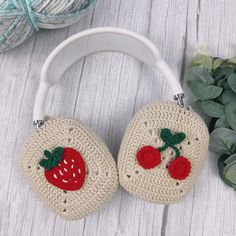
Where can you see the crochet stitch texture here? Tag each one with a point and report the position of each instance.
(156, 184)
(101, 177)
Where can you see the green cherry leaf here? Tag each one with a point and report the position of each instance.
(232, 82)
(166, 135)
(178, 138)
(204, 91)
(230, 112)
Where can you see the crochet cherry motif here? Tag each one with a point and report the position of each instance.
(149, 157)
(64, 168)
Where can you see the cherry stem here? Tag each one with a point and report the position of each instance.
(165, 146)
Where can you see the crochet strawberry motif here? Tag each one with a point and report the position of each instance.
(64, 168)
(149, 157)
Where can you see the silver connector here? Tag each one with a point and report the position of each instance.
(38, 123)
(180, 99)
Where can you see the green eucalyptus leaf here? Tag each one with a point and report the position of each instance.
(226, 85)
(223, 141)
(230, 159)
(221, 166)
(223, 72)
(211, 108)
(221, 82)
(232, 60)
(221, 123)
(217, 62)
(230, 112)
(230, 172)
(204, 91)
(202, 60)
(232, 82)
(228, 96)
(197, 73)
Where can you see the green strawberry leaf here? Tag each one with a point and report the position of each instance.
(57, 151)
(48, 154)
(45, 164)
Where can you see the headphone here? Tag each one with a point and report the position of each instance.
(70, 167)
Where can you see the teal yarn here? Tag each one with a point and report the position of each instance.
(19, 19)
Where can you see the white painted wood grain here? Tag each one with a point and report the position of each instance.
(104, 91)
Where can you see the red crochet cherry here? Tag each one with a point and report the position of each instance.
(179, 168)
(148, 157)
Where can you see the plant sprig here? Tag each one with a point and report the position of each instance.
(212, 81)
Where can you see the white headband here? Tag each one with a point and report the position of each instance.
(93, 41)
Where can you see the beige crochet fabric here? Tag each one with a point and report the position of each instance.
(155, 184)
(101, 177)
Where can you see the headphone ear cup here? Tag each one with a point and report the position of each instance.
(69, 167)
(162, 152)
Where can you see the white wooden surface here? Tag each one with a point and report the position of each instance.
(104, 91)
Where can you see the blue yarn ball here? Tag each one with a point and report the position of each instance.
(19, 19)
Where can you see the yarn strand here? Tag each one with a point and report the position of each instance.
(25, 6)
(19, 19)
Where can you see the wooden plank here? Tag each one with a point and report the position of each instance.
(210, 208)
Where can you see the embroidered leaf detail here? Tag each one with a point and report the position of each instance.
(171, 140)
(45, 163)
(178, 138)
(166, 135)
(53, 158)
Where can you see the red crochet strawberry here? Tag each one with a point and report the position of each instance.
(64, 168)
